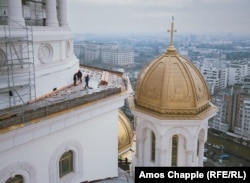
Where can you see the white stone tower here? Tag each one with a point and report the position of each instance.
(172, 108)
(36, 50)
(71, 135)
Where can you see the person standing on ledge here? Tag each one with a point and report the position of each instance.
(87, 81)
(79, 75)
(75, 79)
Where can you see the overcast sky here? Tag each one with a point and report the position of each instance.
(135, 16)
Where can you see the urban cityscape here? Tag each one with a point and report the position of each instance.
(224, 61)
(93, 91)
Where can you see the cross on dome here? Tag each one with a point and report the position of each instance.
(171, 49)
(172, 30)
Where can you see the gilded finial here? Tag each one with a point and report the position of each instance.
(171, 47)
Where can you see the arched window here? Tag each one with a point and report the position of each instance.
(152, 146)
(174, 150)
(16, 179)
(66, 163)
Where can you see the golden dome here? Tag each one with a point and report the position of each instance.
(172, 85)
(125, 132)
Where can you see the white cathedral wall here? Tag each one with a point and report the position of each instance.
(91, 132)
(187, 130)
(181, 151)
(147, 149)
(54, 61)
(57, 69)
(58, 77)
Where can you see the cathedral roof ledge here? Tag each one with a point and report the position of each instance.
(65, 98)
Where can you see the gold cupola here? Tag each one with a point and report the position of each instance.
(125, 133)
(171, 85)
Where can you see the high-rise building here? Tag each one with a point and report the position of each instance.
(118, 56)
(236, 72)
(242, 113)
(223, 119)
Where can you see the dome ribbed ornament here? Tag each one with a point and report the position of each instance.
(172, 85)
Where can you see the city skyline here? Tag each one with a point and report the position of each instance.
(155, 16)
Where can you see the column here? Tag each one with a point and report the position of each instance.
(62, 13)
(15, 15)
(163, 155)
(140, 153)
(189, 158)
(200, 153)
(51, 13)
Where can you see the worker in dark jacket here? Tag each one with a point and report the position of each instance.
(79, 75)
(87, 81)
(75, 79)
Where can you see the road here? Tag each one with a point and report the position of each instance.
(239, 155)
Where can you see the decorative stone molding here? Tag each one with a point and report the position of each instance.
(67, 48)
(45, 53)
(24, 169)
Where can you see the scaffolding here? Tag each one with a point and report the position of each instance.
(34, 12)
(17, 72)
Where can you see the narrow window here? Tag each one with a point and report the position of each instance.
(66, 163)
(16, 179)
(198, 148)
(174, 150)
(24, 2)
(152, 146)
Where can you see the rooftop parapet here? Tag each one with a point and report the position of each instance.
(63, 99)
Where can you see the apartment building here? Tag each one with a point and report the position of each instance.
(118, 56)
(216, 77)
(236, 72)
(222, 120)
(242, 115)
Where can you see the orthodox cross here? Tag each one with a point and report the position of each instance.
(172, 32)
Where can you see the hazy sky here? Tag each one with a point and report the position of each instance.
(133, 16)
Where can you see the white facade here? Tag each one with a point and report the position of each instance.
(118, 56)
(243, 127)
(48, 60)
(223, 77)
(236, 72)
(216, 77)
(219, 121)
(90, 132)
(92, 52)
(234, 75)
(192, 134)
(248, 68)
(33, 148)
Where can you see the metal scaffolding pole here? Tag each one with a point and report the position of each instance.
(17, 71)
